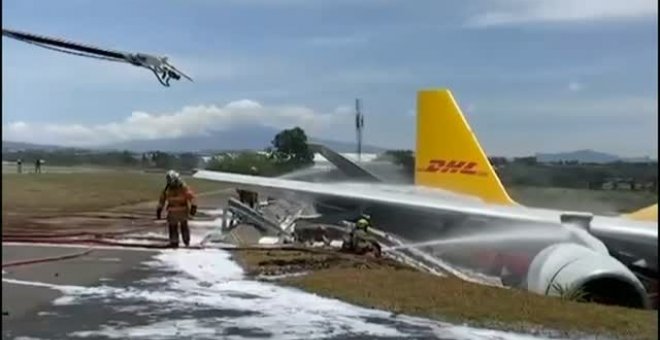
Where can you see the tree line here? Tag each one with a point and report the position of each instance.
(288, 151)
(71, 157)
(526, 171)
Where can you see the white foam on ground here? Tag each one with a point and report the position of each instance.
(210, 278)
(42, 313)
(213, 212)
(200, 229)
(216, 223)
(182, 329)
(269, 240)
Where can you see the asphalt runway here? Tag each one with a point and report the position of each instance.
(120, 293)
(25, 307)
(183, 294)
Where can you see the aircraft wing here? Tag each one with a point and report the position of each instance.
(636, 238)
(399, 196)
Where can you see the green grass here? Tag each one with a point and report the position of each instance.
(403, 290)
(57, 193)
(596, 201)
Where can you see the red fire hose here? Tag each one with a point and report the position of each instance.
(46, 259)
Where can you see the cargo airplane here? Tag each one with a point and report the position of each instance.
(612, 259)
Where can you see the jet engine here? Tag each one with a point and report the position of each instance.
(600, 277)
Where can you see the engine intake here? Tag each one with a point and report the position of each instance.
(600, 277)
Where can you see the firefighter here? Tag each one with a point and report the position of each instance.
(19, 163)
(363, 223)
(359, 240)
(252, 196)
(181, 204)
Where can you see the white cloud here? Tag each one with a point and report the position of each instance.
(190, 120)
(18, 126)
(575, 86)
(504, 12)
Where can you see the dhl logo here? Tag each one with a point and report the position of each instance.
(453, 167)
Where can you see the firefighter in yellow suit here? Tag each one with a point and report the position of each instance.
(181, 204)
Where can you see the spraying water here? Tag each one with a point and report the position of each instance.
(509, 236)
(487, 238)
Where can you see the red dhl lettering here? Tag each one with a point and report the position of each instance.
(453, 167)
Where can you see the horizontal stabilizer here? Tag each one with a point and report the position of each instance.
(647, 214)
(344, 164)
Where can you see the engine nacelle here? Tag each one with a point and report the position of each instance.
(601, 277)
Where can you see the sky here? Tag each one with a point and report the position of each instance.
(530, 76)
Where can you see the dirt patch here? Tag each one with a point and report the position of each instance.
(388, 285)
(278, 262)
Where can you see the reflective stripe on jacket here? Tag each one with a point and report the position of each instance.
(178, 200)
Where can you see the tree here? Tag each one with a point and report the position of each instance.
(126, 158)
(188, 161)
(162, 160)
(291, 146)
(403, 158)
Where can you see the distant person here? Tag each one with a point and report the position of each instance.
(247, 197)
(180, 201)
(253, 196)
(19, 165)
(37, 166)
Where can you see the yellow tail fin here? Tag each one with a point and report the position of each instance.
(649, 213)
(448, 154)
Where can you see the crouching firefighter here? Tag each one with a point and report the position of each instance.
(181, 204)
(359, 241)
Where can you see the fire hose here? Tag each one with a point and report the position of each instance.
(46, 259)
(110, 239)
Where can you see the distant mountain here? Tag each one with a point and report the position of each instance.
(586, 156)
(245, 138)
(20, 146)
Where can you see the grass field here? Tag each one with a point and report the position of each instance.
(57, 193)
(596, 201)
(403, 290)
(376, 285)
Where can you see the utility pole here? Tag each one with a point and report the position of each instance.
(359, 125)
